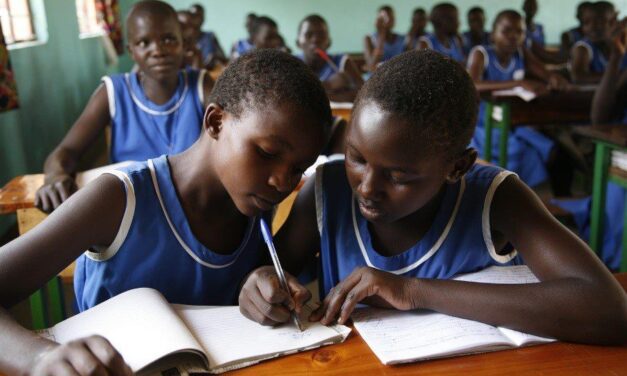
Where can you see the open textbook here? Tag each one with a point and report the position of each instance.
(153, 335)
(401, 337)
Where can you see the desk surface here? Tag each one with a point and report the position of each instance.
(615, 134)
(354, 357)
(19, 193)
(552, 108)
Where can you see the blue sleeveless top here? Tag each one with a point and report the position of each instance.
(537, 35)
(328, 70)
(155, 247)
(467, 42)
(455, 50)
(390, 50)
(459, 240)
(141, 129)
(598, 61)
(242, 46)
(206, 45)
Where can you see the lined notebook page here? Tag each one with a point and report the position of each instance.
(398, 337)
(139, 323)
(230, 339)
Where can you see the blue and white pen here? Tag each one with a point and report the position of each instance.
(267, 236)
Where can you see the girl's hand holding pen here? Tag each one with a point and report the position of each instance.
(263, 300)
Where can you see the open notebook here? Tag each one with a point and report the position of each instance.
(401, 337)
(153, 335)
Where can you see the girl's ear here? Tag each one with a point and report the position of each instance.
(212, 122)
(461, 165)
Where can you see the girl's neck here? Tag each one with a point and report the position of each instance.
(443, 38)
(158, 91)
(391, 239)
(503, 57)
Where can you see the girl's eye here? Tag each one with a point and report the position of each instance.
(142, 43)
(170, 40)
(266, 154)
(356, 158)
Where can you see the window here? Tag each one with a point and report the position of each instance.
(17, 21)
(89, 22)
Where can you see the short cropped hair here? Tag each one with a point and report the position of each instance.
(430, 91)
(263, 21)
(268, 77)
(514, 15)
(312, 18)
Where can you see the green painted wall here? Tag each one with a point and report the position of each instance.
(54, 79)
(350, 20)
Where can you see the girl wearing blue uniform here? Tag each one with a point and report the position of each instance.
(186, 224)
(588, 57)
(140, 127)
(445, 38)
(153, 111)
(383, 44)
(476, 35)
(206, 41)
(504, 65)
(339, 74)
(535, 31)
(575, 34)
(408, 209)
(609, 106)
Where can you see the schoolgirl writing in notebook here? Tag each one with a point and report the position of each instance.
(156, 110)
(186, 225)
(408, 209)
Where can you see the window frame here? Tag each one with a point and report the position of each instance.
(11, 27)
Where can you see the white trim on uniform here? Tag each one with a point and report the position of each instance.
(200, 87)
(426, 40)
(153, 175)
(429, 253)
(584, 45)
(484, 52)
(485, 219)
(149, 110)
(125, 225)
(110, 94)
(318, 195)
(343, 61)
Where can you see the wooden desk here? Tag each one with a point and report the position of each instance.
(506, 112)
(354, 357)
(606, 139)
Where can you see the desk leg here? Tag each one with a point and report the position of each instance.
(599, 189)
(487, 126)
(505, 126)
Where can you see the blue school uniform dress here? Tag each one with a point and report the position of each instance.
(581, 210)
(241, 47)
(141, 129)
(392, 49)
(597, 61)
(527, 149)
(467, 43)
(535, 35)
(206, 44)
(328, 70)
(455, 51)
(155, 247)
(459, 240)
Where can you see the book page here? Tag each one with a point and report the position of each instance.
(517, 91)
(139, 323)
(232, 341)
(341, 105)
(399, 337)
(508, 275)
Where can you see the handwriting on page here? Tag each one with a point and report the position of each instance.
(402, 336)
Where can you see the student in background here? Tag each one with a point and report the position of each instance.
(535, 31)
(245, 44)
(408, 209)
(339, 73)
(156, 110)
(193, 58)
(476, 35)
(418, 28)
(265, 34)
(609, 106)
(207, 42)
(589, 56)
(445, 38)
(383, 44)
(186, 225)
(504, 65)
(574, 35)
